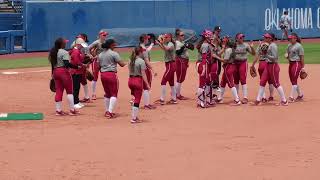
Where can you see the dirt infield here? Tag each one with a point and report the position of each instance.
(177, 142)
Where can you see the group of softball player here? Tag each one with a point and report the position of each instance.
(69, 69)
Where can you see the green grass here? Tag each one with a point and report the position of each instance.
(312, 56)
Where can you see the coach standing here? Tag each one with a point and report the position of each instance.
(285, 24)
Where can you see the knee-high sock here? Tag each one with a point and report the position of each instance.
(221, 94)
(86, 91)
(235, 94)
(293, 90)
(245, 90)
(106, 103)
(200, 97)
(163, 92)
(178, 89)
(71, 101)
(135, 111)
(281, 94)
(299, 91)
(173, 93)
(271, 90)
(112, 105)
(146, 97)
(94, 86)
(264, 95)
(260, 93)
(59, 106)
(237, 87)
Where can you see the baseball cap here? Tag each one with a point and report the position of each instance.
(65, 40)
(240, 36)
(167, 35)
(103, 33)
(81, 42)
(292, 36)
(217, 28)
(267, 35)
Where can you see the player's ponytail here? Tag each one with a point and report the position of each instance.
(200, 43)
(298, 38)
(53, 54)
(135, 52)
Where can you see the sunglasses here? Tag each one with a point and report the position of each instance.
(181, 34)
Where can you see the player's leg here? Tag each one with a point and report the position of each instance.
(243, 71)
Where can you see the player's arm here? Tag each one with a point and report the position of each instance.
(256, 59)
(118, 60)
(301, 54)
(251, 49)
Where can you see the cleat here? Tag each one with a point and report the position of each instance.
(245, 101)
(299, 98)
(256, 103)
(74, 113)
(60, 113)
(161, 102)
(283, 103)
(236, 103)
(86, 100)
(172, 102)
(219, 101)
(291, 100)
(264, 100)
(94, 97)
(137, 120)
(270, 99)
(182, 98)
(201, 106)
(150, 107)
(109, 115)
(78, 106)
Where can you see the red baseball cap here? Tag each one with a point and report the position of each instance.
(147, 37)
(240, 36)
(65, 40)
(292, 36)
(267, 35)
(167, 35)
(103, 33)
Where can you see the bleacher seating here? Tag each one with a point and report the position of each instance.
(6, 7)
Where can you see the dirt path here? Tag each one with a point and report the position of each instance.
(175, 142)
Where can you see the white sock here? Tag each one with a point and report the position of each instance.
(59, 106)
(71, 101)
(221, 94)
(178, 88)
(200, 96)
(207, 92)
(163, 92)
(135, 111)
(299, 91)
(293, 90)
(260, 93)
(281, 94)
(271, 90)
(112, 105)
(173, 93)
(106, 103)
(264, 95)
(94, 86)
(245, 91)
(86, 91)
(235, 94)
(237, 87)
(146, 97)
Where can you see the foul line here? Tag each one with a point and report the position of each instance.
(38, 71)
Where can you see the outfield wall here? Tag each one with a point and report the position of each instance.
(45, 21)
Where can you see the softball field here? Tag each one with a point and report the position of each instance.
(176, 142)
